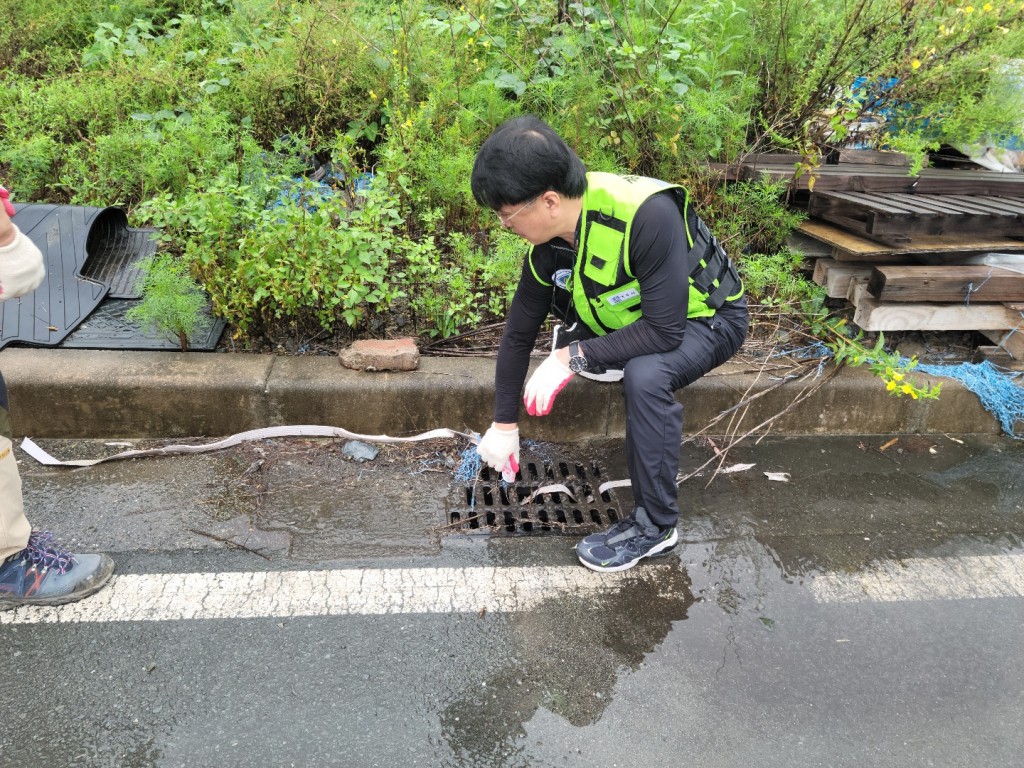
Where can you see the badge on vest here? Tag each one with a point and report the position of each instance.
(561, 278)
(621, 296)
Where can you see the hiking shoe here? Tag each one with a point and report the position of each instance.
(626, 545)
(44, 573)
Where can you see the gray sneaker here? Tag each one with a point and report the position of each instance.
(600, 539)
(625, 544)
(44, 573)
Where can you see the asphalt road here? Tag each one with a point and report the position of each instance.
(279, 605)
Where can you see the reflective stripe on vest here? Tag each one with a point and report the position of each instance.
(605, 291)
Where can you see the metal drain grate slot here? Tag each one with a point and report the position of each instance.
(489, 506)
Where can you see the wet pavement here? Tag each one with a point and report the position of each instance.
(864, 609)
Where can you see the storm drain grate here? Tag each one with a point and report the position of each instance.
(489, 506)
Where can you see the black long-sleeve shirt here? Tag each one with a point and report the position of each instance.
(657, 251)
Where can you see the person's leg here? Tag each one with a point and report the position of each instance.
(14, 526)
(654, 421)
(34, 568)
(655, 417)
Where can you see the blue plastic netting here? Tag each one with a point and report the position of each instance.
(999, 390)
(813, 351)
(469, 468)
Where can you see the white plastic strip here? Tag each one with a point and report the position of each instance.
(615, 484)
(304, 430)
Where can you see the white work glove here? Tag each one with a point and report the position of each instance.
(546, 382)
(499, 449)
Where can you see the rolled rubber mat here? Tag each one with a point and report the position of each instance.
(115, 252)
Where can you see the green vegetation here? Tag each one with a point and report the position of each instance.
(172, 301)
(199, 116)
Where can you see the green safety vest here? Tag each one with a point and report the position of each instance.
(605, 291)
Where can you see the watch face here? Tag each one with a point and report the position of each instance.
(578, 363)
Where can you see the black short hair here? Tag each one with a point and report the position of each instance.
(522, 159)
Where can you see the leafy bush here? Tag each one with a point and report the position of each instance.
(775, 279)
(310, 257)
(195, 115)
(751, 217)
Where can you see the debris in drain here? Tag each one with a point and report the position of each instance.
(357, 451)
(549, 496)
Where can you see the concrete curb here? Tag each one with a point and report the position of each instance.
(58, 393)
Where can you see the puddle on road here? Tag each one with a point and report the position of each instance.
(748, 543)
(565, 656)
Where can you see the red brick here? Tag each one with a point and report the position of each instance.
(382, 355)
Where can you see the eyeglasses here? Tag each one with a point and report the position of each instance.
(505, 218)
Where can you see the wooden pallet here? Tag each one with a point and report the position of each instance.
(965, 284)
(837, 276)
(848, 246)
(873, 177)
(874, 315)
(1001, 322)
(899, 217)
(1011, 341)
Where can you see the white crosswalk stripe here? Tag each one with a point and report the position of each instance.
(284, 594)
(175, 596)
(946, 578)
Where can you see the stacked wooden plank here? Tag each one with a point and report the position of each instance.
(904, 250)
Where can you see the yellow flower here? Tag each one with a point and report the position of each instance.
(890, 386)
(915, 64)
(897, 377)
(986, 7)
(373, 95)
(969, 9)
(908, 390)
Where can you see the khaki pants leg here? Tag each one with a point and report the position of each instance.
(14, 526)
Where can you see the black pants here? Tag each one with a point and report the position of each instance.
(654, 418)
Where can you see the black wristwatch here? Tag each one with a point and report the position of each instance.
(577, 362)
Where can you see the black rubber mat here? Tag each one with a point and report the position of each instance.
(92, 280)
(46, 316)
(107, 328)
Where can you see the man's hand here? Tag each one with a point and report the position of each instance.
(546, 382)
(499, 449)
